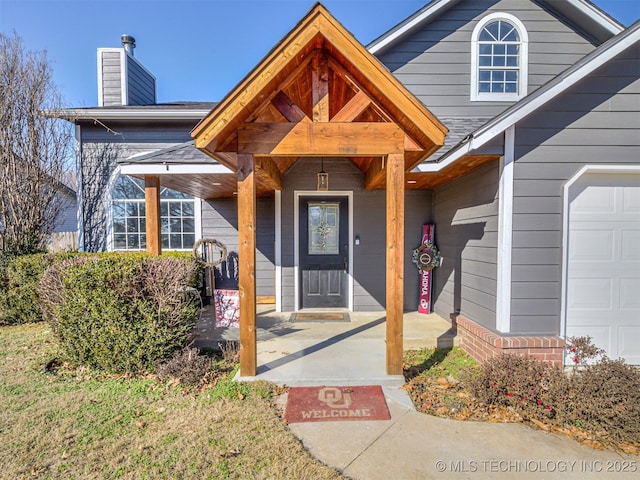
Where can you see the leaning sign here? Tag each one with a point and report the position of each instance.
(426, 257)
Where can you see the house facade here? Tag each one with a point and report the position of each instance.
(513, 126)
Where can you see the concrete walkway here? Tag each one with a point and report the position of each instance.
(410, 445)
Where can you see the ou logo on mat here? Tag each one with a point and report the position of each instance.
(334, 397)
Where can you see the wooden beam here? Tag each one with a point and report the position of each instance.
(289, 109)
(320, 87)
(395, 262)
(358, 139)
(152, 214)
(375, 174)
(354, 107)
(271, 172)
(247, 264)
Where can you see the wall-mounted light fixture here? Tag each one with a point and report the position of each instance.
(323, 177)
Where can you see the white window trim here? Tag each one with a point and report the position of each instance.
(523, 74)
(108, 201)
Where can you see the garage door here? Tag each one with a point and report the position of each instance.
(603, 274)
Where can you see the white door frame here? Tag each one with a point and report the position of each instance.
(296, 240)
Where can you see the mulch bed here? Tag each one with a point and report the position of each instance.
(448, 398)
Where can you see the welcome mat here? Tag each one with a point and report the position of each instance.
(319, 317)
(330, 404)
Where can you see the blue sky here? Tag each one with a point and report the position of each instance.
(197, 49)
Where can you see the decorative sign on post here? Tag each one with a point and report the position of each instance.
(426, 257)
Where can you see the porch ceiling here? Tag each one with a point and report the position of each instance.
(319, 92)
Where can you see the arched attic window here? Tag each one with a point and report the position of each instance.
(499, 59)
(178, 217)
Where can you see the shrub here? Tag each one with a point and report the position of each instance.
(188, 366)
(120, 312)
(605, 398)
(532, 388)
(19, 300)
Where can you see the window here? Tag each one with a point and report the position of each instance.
(499, 59)
(177, 217)
(324, 225)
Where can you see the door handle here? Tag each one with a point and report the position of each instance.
(346, 264)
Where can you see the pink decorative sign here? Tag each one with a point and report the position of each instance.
(425, 276)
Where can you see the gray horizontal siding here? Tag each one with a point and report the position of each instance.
(141, 85)
(220, 221)
(465, 215)
(111, 81)
(594, 122)
(434, 62)
(369, 224)
(101, 150)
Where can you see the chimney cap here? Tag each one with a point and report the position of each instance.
(128, 42)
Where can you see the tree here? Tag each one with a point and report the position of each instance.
(34, 149)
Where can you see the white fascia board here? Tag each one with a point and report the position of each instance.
(595, 14)
(129, 114)
(378, 44)
(170, 169)
(533, 102)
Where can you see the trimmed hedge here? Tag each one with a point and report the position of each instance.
(121, 312)
(19, 299)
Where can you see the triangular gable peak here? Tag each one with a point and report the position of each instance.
(319, 92)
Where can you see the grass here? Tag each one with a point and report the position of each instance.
(79, 424)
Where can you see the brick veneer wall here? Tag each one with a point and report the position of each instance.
(482, 344)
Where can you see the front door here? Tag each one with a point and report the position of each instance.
(324, 251)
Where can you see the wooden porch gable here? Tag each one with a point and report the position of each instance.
(319, 93)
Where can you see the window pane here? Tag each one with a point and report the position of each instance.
(143, 224)
(175, 241)
(188, 225)
(485, 75)
(511, 88)
(189, 240)
(164, 209)
(164, 225)
(132, 225)
(512, 76)
(512, 61)
(498, 87)
(485, 49)
(120, 241)
(119, 225)
(499, 61)
(513, 49)
(485, 61)
(132, 241)
(174, 209)
(143, 240)
(499, 49)
(132, 209)
(485, 87)
(165, 240)
(118, 210)
(175, 225)
(323, 228)
(187, 209)
(497, 76)
(172, 194)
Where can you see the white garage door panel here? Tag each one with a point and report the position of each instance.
(628, 343)
(590, 293)
(603, 269)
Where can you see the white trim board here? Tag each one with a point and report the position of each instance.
(173, 169)
(296, 240)
(505, 234)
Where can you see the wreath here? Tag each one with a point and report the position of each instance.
(210, 244)
(426, 257)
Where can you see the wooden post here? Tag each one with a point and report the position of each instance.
(152, 214)
(395, 262)
(247, 264)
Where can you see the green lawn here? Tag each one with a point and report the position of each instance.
(81, 425)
